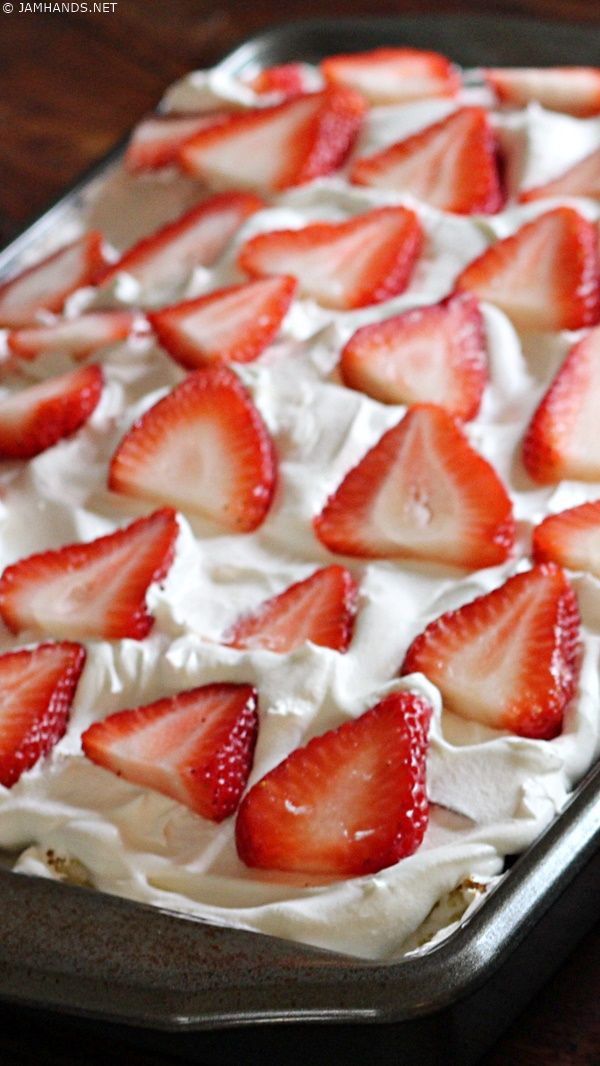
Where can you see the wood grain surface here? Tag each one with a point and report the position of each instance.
(70, 87)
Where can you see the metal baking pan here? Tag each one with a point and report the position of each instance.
(70, 949)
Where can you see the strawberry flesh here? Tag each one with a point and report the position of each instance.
(393, 75)
(156, 142)
(289, 79)
(77, 337)
(582, 179)
(38, 417)
(46, 285)
(572, 90)
(570, 538)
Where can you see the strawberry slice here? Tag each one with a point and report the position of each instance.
(320, 609)
(77, 337)
(421, 492)
(393, 75)
(92, 590)
(204, 448)
(349, 803)
(572, 90)
(38, 687)
(196, 747)
(342, 264)
(452, 165)
(545, 277)
(431, 354)
(289, 79)
(582, 179)
(157, 140)
(571, 538)
(38, 417)
(509, 659)
(196, 239)
(230, 325)
(277, 147)
(46, 285)
(563, 438)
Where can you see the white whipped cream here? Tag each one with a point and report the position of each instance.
(492, 793)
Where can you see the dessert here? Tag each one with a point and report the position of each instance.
(347, 481)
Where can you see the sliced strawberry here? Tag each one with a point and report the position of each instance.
(393, 75)
(203, 448)
(571, 538)
(77, 337)
(421, 492)
(452, 165)
(196, 747)
(509, 659)
(582, 179)
(37, 688)
(196, 239)
(342, 264)
(572, 90)
(563, 438)
(38, 417)
(230, 325)
(349, 803)
(545, 277)
(157, 140)
(276, 147)
(91, 590)
(321, 609)
(289, 79)
(46, 285)
(431, 354)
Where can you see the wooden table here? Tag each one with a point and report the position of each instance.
(70, 86)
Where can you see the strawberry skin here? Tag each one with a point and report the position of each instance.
(393, 75)
(197, 238)
(46, 285)
(38, 417)
(38, 687)
(342, 265)
(423, 493)
(274, 148)
(509, 659)
(433, 354)
(546, 276)
(196, 747)
(77, 337)
(91, 590)
(351, 802)
(158, 139)
(570, 538)
(582, 179)
(451, 165)
(572, 90)
(229, 325)
(204, 448)
(322, 609)
(289, 79)
(563, 437)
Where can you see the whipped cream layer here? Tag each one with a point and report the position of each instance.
(492, 792)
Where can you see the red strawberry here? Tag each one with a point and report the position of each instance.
(545, 277)
(230, 325)
(46, 285)
(563, 438)
(77, 337)
(451, 165)
(320, 609)
(573, 90)
(289, 79)
(38, 417)
(157, 140)
(196, 239)
(435, 353)
(571, 538)
(509, 659)
(276, 147)
(421, 492)
(342, 264)
(196, 747)
(91, 590)
(393, 75)
(582, 179)
(203, 448)
(349, 803)
(38, 687)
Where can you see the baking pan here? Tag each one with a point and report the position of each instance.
(77, 951)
